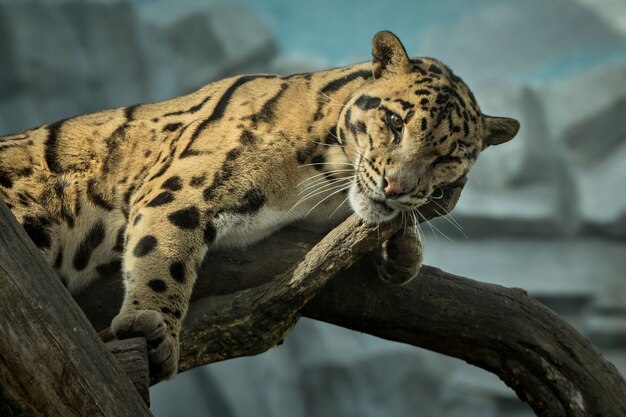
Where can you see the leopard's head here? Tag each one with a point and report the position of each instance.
(412, 129)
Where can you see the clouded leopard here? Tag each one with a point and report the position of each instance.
(150, 188)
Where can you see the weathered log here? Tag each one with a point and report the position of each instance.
(548, 364)
(132, 355)
(52, 362)
(541, 357)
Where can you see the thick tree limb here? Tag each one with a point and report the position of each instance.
(243, 305)
(542, 358)
(52, 362)
(546, 361)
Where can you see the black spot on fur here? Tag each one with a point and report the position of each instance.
(145, 245)
(266, 114)
(210, 232)
(424, 123)
(92, 240)
(177, 271)
(422, 92)
(187, 218)
(129, 112)
(302, 156)
(318, 160)
(248, 138)
(442, 99)
(52, 147)
(252, 201)
(423, 80)
(198, 181)
(219, 110)
(331, 139)
(161, 199)
(176, 313)
(348, 117)
(340, 82)
(5, 181)
(444, 160)
(37, 229)
(172, 127)
(366, 102)
(110, 268)
(233, 154)
(157, 285)
(191, 109)
(405, 104)
(24, 199)
(96, 198)
(434, 68)
(173, 183)
(163, 169)
(119, 240)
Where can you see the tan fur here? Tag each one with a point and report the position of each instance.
(158, 185)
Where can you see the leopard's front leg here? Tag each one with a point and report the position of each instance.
(165, 244)
(399, 259)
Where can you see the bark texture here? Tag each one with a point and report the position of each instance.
(52, 362)
(246, 300)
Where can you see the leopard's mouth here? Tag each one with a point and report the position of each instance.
(369, 208)
(381, 205)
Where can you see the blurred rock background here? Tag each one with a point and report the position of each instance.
(546, 212)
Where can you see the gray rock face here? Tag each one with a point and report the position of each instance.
(590, 130)
(97, 55)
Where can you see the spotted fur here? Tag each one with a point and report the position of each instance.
(151, 188)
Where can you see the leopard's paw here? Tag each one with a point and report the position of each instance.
(163, 348)
(399, 259)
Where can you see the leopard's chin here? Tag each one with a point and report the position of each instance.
(370, 209)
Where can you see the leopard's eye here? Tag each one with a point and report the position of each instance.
(396, 125)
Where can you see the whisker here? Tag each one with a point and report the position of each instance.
(417, 228)
(340, 204)
(317, 192)
(320, 183)
(434, 228)
(334, 171)
(326, 198)
(448, 216)
(326, 163)
(451, 222)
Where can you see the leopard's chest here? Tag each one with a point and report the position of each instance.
(237, 230)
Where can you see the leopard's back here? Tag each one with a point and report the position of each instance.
(149, 189)
(77, 184)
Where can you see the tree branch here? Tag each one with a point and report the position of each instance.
(249, 303)
(52, 362)
(243, 305)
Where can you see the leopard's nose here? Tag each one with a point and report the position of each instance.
(393, 188)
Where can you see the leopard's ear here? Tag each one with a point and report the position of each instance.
(499, 130)
(390, 57)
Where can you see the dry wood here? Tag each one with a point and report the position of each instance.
(52, 362)
(132, 355)
(548, 364)
(244, 303)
